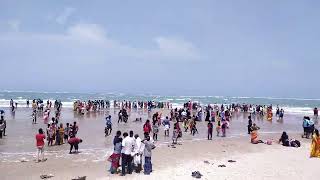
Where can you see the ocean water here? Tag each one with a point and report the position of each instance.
(290, 105)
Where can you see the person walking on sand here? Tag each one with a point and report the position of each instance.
(155, 130)
(166, 124)
(40, 137)
(108, 128)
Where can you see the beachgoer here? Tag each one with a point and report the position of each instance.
(148, 147)
(50, 134)
(116, 155)
(74, 142)
(249, 124)
(108, 128)
(218, 127)
(138, 151)
(315, 145)
(66, 133)
(210, 130)
(254, 134)
(155, 130)
(40, 137)
(224, 127)
(284, 139)
(61, 133)
(166, 124)
(147, 127)
(127, 147)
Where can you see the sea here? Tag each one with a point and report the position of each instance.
(290, 105)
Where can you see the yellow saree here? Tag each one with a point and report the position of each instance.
(315, 147)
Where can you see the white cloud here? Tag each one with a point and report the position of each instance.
(83, 42)
(66, 13)
(14, 25)
(174, 47)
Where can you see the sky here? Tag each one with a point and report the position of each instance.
(206, 47)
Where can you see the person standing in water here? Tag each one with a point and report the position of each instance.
(40, 137)
(210, 129)
(249, 124)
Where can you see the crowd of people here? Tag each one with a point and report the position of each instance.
(133, 151)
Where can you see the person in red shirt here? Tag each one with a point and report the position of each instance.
(40, 144)
(74, 142)
(147, 127)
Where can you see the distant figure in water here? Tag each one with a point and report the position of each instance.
(315, 112)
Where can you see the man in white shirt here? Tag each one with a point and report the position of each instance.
(127, 148)
(138, 150)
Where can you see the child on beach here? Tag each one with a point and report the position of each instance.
(40, 137)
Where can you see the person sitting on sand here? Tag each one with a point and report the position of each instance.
(315, 145)
(284, 139)
(254, 135)
(74, 142)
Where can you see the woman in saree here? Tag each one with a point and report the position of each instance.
(115, 157)
(254, 135)
(315, 145)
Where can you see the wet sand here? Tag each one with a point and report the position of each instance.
(253, 161)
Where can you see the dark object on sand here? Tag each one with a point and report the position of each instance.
(196, 174)
(222, 165)
(80, 178)
(231, 161)
(207, 162)
(46, 176)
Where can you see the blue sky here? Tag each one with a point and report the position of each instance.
(230, 48)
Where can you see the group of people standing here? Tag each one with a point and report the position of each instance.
(130, 149)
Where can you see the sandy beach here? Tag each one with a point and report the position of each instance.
(252, 161)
